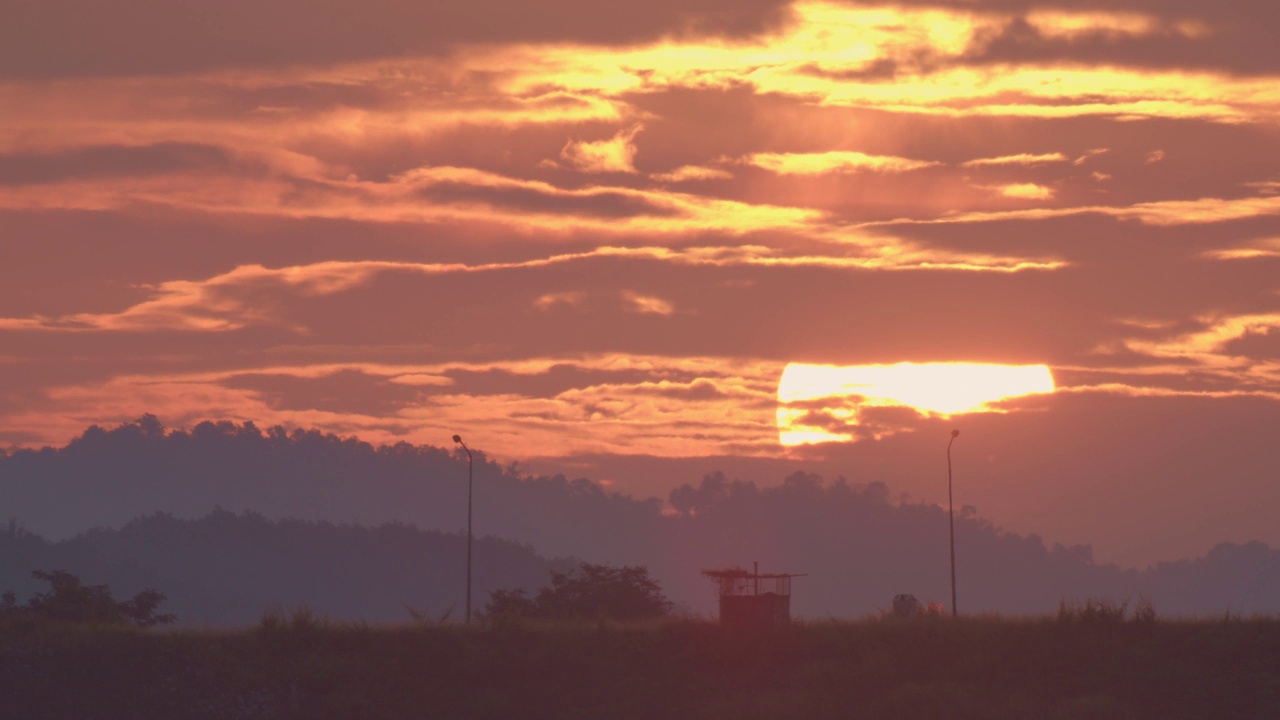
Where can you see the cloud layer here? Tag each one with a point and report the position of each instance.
(595, 236)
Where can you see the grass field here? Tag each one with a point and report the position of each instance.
(297, 666)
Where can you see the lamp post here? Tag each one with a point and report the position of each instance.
(951, 516)
(458, 439)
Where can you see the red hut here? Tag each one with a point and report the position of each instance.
(750, 598)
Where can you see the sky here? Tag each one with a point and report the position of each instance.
(644, 242)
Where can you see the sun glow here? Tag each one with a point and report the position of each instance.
(819, 403)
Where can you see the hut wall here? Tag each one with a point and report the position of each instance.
(755, 610)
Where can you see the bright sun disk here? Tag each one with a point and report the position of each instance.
(930, 388)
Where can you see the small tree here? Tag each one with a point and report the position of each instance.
(587, 591)
(506, 605)
(70, 600)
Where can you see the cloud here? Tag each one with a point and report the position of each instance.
(255, 295)
(1026, 191)
(1020, 159)
(458, 194)
(669, 406)
(1266, 248)
(946, 63)
(226, 302)
(615, 155)
(834, 161)
(1164, 212)
(1075, 25)
(70, 38)
(1208, 346)
(648, 304)
(400, 228)
(1154, 157)
(1089, 155)
(420, 379)
(550, 300)
(687, 173)
(1139, 33)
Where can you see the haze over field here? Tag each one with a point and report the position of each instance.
(646, 243)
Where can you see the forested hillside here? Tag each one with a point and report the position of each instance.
(857, 542)
(227, 569)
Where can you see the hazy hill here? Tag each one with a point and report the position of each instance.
(226, 568)
(857, 545)
(108, 477)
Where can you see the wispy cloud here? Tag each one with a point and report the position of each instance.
(648, 304)
(255, 295)
(550, 300)
(1265, 248)
(620, 403)
(834, 161)
(1166, 212)
(688, 173)
(1019, 159)
(1209, 346)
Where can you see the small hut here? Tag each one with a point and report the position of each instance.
(750, 598)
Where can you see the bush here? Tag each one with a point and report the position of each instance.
(301, 619)
(70, 600)
(588, 591)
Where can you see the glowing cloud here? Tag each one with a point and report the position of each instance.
(648, 304)
(1269, 248)
(1208, 346)
(1057, 24)
(1026, 191)
(1089, 155)
(616, 154)
(550, 300)
(1022, 159)
(838, 393)
(830, 162)
(686, 173)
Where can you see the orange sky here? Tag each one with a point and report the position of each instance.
(591, 237)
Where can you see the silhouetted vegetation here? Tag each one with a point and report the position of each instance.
(1105, 610)
(586, 592)
(69, 600)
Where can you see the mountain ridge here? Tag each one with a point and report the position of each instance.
(857, 545)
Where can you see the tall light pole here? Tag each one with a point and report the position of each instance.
(951, 515)
(458, 439)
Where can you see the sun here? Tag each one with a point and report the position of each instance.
(837, 393)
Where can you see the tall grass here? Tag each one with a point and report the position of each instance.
(1104, 610)
(1090, 661)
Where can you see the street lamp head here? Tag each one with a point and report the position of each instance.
(954, 433)
(458, 438)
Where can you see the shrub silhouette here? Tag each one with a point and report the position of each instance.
(588, 591)
(1105, 610)
(70, 600)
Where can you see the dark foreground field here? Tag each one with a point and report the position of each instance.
(930, 668)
